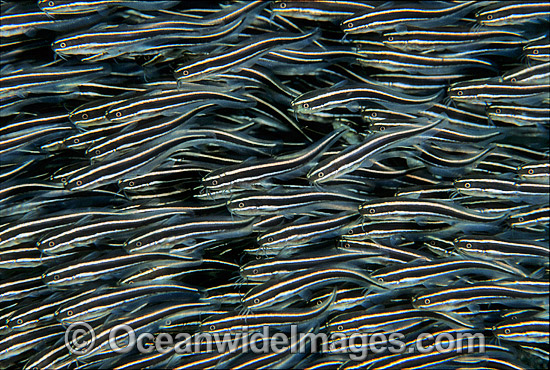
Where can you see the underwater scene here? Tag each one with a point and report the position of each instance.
(274, 184)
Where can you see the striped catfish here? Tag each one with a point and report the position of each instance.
(305, 232)
(423, 210)
(537, 217)
(106, 300)
(319, 10)
(31, 316)
(173, 102)
(531, 329)
(144, 131)
(293, 202)
(491, 248)
(47, 79)
(20, 342)
(28, 256)
(258, 172)
(441, 271)
(355, 156)
(26, 230)
(102, 43)
(22, 19)
(102, 268)
(89, 6)
(517, 191)
(387, 320)
(135, 162)
(488, 90)
(265, 269)
(354, 96)
(513, 13)
(519, 115)
(529, 74)
(86, 232)
(186, 232)
(239, 56)
(388, 17)
(274, 293)
(536, 172)
(145, 321)
(450, 39)
(537, 51)
(514, 293)
(417, 63)
(93, 113)
(19, 286)
(232, 322)
(374, 252)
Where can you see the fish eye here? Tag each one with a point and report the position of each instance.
(258, 257)
(212, 327)
(97, 152)
(282, 5)
(382, 128)
(535, 51)
(374, 114)
(257, 300)
(214, 182)
(513, 79)
(340, 327)
(467, 185)
(372, 210)
(350, 231)
(318, 303)
(305, 105)
(432, 242)
(459, 93)
(51, 244)
(320, 174)
(489, 17)
(76, 141)
(381, 280)
(62, 45)
(241, 205)
(468, 245)
(346, 245)
(497, 110)
(255, 271)
(506, 331)
(350, 25)
(139, 244)
(50, 3)
(118, 114)
(78, 183)
(69, 313)
(520, 219)
(185, 72)
(19, 321)
(168, 322)
(530, 171)
(270, 239)
(427, 301)
(131, 183)
(84, 115)
(390, 38)
(56, 277)
(64, 179)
